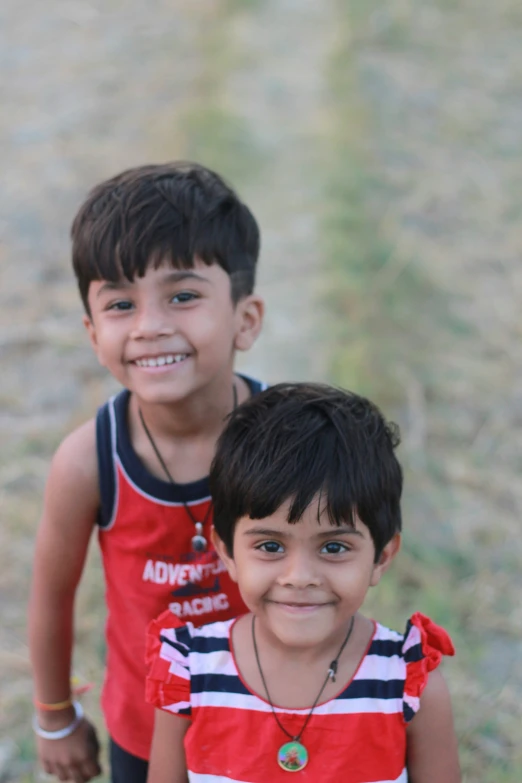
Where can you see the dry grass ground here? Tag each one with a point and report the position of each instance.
(379, 147)
(428, 293)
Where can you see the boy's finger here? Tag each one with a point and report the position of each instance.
(61, 772)
(90, 769)
(92, 739)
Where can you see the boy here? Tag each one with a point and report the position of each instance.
(307, 517)
(165, 260)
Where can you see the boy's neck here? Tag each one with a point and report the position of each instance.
(199, 416)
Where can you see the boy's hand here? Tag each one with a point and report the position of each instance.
(73, 758)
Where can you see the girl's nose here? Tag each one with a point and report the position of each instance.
(300, 570)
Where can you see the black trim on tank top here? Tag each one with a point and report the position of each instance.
(163, 491)
(106, 468)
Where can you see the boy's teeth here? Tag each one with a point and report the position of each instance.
(159, 361)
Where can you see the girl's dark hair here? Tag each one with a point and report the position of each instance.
(174, 212)
(299, 441)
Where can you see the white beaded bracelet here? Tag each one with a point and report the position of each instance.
(60, 733)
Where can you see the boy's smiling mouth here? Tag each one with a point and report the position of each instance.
(160, 361)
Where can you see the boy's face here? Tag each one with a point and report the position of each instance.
(306, 580)
(171, 333)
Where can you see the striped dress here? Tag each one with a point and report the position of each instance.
(359, 736)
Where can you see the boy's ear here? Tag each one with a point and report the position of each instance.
(91, 331)
(221, 549)
(249, 313)
(386, 559)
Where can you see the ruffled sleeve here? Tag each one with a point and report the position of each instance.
(167, 656)
(425, 643)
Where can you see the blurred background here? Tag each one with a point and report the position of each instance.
(378, 145)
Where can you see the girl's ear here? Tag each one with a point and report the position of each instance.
(249, 314)
(386, 559)
(221, 549)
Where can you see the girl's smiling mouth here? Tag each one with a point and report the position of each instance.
(296, 607)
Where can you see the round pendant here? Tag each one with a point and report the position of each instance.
(199, 542)
(292, 756)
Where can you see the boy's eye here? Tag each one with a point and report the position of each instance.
(272, 547)
(122, 305)
(184, 296)
(334, 548)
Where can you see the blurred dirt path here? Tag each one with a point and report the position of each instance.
(87, 89)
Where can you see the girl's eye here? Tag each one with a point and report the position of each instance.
(334, 548)
(184, 296)
(272, 547)
(122, 305)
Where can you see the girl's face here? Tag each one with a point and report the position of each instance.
(304, 581)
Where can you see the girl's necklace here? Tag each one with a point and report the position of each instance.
(293, 756)
(199, 542)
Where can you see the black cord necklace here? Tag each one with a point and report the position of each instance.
(199, 542)
(293, 756)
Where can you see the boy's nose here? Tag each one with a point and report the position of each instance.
(300, 571)
(151, 323)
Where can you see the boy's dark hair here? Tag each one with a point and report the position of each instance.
(174, 212)
(297, 441)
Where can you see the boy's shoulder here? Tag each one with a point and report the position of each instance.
(72, 491)
(77, 451)
(77, 454)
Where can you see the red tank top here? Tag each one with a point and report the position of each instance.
(145, 537)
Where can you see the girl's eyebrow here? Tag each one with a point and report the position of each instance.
(333, 531)
(262, 531)
(340, 531)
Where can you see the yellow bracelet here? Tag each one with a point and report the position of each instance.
(59, 705)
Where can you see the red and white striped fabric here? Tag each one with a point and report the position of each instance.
(357, 737)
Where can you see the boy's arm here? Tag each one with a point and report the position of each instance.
(432, 744)
(167, 757)
(70, 507)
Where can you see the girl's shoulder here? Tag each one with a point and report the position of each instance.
(176, 653)
(168, 628)
(412, 655)
(421, 638)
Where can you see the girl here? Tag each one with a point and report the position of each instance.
(306, 489)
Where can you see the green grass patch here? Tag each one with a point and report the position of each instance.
(391, 329)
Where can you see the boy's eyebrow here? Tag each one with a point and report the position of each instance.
(175, 276)
(333, 531)
(183, 274)
(112, 286)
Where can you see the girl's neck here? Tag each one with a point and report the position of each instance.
(295, 675)
(315, 656)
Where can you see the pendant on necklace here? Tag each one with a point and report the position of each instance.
(199, 542)
(292, 756)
